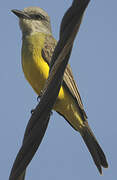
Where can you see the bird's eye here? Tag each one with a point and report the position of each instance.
(37, 16)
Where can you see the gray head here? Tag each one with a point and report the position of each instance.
(33, 19)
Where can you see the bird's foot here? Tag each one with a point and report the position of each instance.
(39, 95)
(32, 111)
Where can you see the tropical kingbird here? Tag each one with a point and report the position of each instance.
(38, 45)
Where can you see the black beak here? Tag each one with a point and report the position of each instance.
(20, 14)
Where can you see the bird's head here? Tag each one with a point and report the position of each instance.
(33, 19)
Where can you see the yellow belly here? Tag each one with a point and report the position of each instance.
(36, 71)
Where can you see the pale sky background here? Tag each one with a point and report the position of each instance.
(62, 153)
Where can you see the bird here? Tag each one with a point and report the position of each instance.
(38, 45)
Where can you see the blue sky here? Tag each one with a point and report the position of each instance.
(62, 153)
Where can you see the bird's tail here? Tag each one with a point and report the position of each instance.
(93, 147)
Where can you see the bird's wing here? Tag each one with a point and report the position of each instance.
(68, 80)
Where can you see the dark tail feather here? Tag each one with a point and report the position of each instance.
(94, 148)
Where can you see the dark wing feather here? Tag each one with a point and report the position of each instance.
(68, 80)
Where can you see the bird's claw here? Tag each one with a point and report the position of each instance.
(32, 111)
(39, 96)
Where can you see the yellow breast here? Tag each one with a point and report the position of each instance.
(34, 67)
(36, 70)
